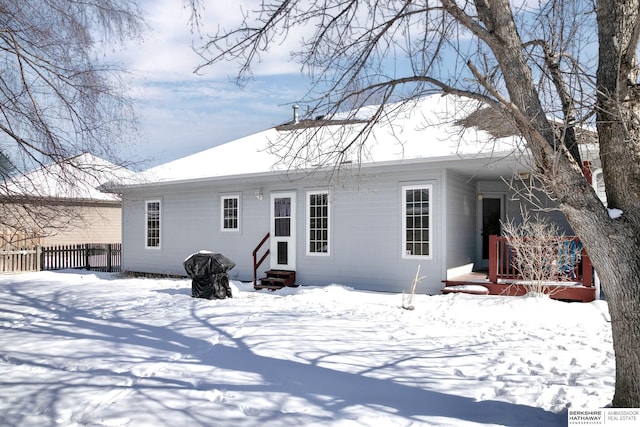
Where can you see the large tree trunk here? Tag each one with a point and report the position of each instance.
(618, 257)
(613, 244)
(614, 252)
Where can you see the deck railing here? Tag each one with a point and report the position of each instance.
(503, 267)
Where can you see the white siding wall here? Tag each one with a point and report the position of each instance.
(190, 221)
(366, 236)
(460, 221)
(365, 231)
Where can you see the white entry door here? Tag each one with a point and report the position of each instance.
(283, 231)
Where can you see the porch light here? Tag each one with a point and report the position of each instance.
(258, 194)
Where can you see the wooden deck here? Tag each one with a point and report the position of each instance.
(563, 291)
(502, 278)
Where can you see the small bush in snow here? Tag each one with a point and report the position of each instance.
(541, 253)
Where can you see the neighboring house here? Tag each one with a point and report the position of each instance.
(60, 204)
(428, 190)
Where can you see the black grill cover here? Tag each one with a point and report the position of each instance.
(208, 272)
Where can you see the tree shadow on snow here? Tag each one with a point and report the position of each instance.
(334, 392)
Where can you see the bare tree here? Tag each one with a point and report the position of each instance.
(57, 99)
(539, 63)
(541, 253)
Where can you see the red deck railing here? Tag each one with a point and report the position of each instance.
(501, 265)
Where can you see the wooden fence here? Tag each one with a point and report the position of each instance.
(88, 256)
(19, 260)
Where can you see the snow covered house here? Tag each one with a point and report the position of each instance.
(59, 204)
(428, 190)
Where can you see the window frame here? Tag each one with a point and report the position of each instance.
(308, 227)
(146, 224)
(405, 188)
(238, 213)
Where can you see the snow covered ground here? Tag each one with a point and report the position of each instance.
(85, 349)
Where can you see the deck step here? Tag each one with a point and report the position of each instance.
(557, 291)
(277, 279)
(269, 287)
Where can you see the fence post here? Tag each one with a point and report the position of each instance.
(109, 257)
(87, 263)
(38, 260)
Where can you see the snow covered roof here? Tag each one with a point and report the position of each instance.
(428, 129)
(432, 128)
(75, 178)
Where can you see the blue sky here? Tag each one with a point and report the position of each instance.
(181, 113)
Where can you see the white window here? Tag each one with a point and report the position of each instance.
(152, 228)
(230, 215)
(416, 221)
(318, 223)
(598, 185)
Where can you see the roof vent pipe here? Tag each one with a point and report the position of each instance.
(296, 120)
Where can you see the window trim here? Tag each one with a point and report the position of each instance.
(238, 197)
(146, 223)
(308, 225)
(428, 187)
(596, 176)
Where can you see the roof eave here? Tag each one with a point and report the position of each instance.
(120, 188)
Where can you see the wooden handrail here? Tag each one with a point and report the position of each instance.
(257, 263)
(501, 265)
